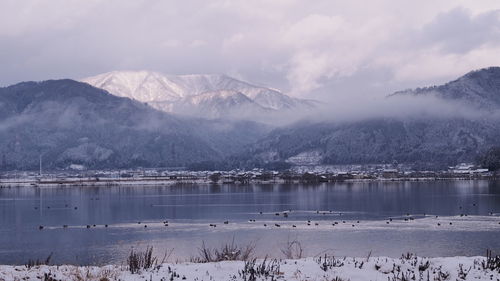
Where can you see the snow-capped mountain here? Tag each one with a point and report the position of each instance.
(227, 103)
(205, 95)
(70, 122)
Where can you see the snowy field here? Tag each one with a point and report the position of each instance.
(407, 267)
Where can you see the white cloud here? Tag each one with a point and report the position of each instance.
(306, 47)
(233, 41)
(197, 43)
(434, 64)
(171, 43)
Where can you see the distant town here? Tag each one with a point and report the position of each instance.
(77, 176)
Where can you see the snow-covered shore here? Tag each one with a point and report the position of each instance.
(322, 268)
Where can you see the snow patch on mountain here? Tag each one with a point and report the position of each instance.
(210, 95)
(306, 158)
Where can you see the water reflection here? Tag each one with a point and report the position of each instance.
(190, 208)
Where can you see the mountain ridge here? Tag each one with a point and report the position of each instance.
(70, 122)
(171, 93)
(478, 88)
(428, 140)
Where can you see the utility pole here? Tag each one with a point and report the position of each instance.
(40, 173)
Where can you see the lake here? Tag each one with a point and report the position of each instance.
(440, 218)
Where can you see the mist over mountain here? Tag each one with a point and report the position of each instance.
(479, 89)
(432, 126)
(208, 95)
(424, 141)
(69, 122)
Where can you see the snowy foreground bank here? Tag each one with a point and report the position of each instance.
(325, 268)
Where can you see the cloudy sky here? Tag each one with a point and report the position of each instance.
(317, 49)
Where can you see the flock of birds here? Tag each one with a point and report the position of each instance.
(285, 214)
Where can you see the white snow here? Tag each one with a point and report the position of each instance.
(306, 158)
(172, 93)
(319, 268)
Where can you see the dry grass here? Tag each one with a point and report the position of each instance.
(265, 269)
(138, 261)
(227, 252)
(292, 249)
(31, 263)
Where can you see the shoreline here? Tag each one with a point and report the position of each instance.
(407, 267)
(164, 181)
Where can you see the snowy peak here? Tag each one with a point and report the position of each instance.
(218, 104)
(202, 92)
(144, 86)
(230, 97)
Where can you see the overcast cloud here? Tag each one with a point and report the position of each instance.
(315, 49)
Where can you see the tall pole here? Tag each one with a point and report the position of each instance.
(40, 173)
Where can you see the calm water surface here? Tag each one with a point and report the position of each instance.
(189, 209)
